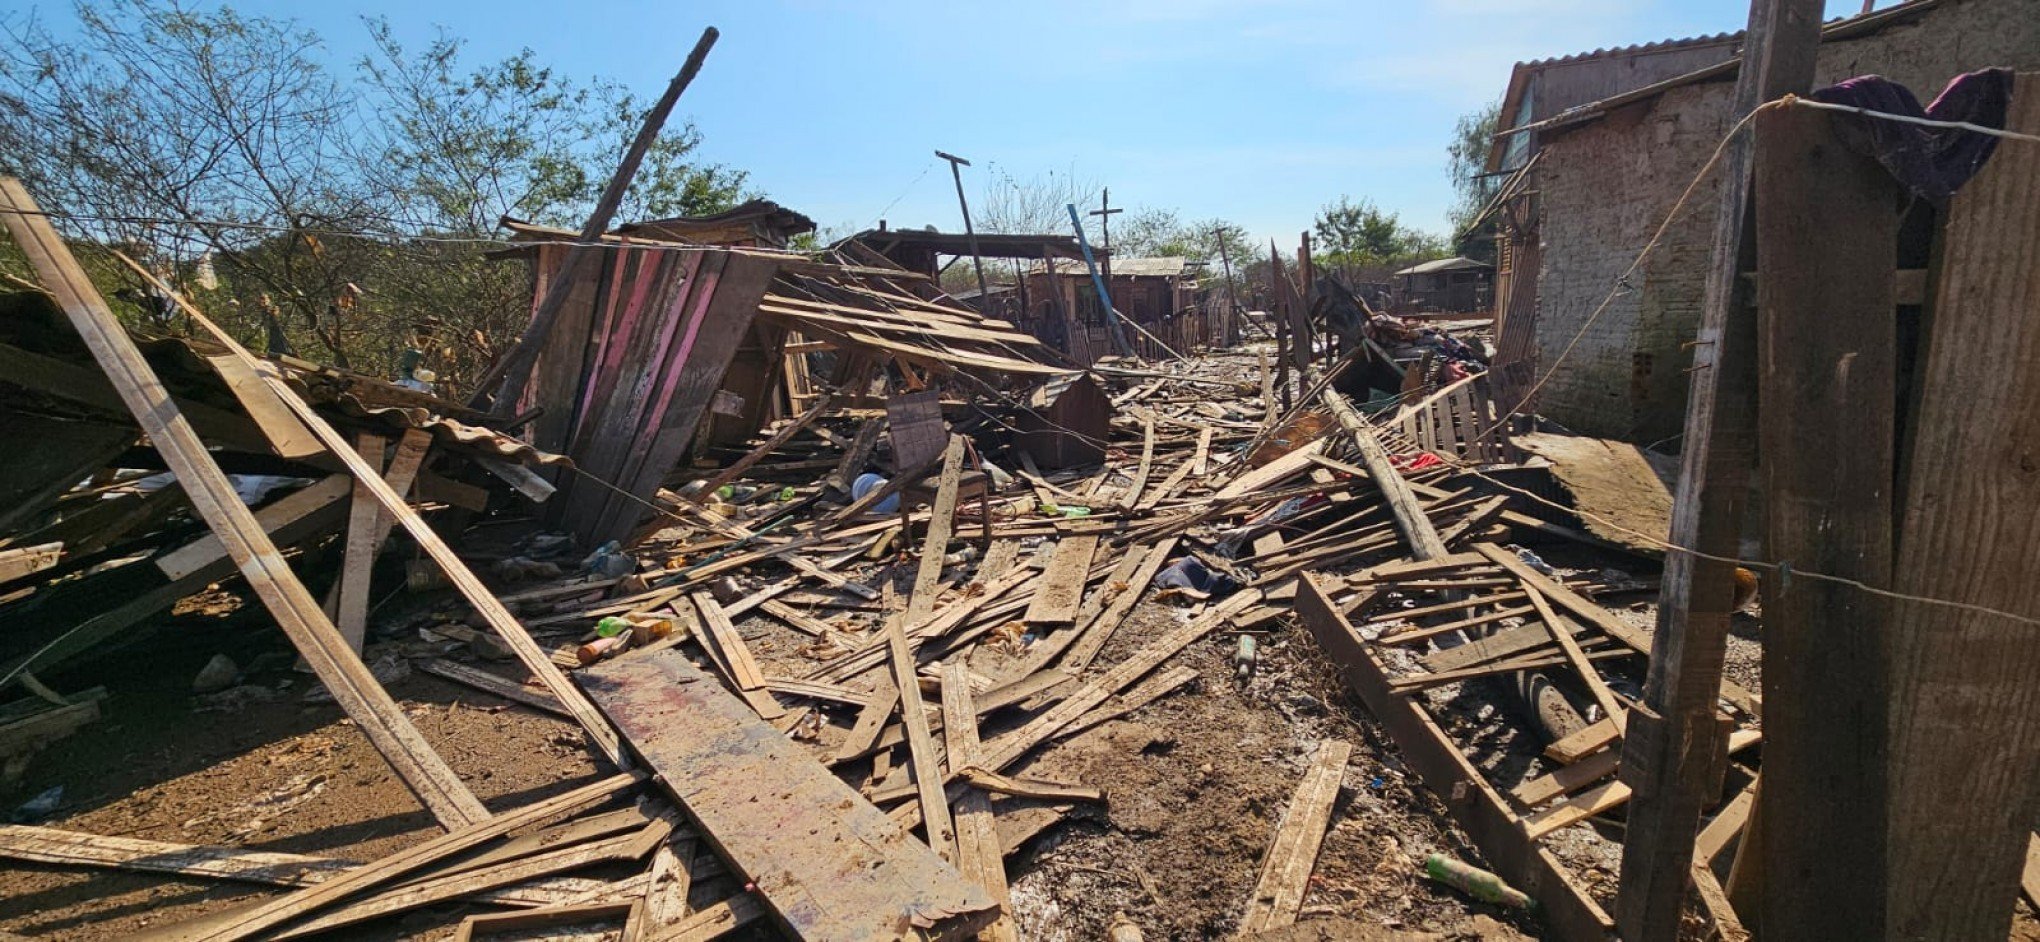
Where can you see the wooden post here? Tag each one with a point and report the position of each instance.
(1672, 746)
(213, 497)
(515, 366)
(1964, 711)
(1827, 231)
(1232, 313)
(956, 165)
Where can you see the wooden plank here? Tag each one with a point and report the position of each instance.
(1200, 463)
(828, 863)
(1726, 824)
(941, 523)
(1086, 646)
(1410, 520)
(297, 505)
(1827, 228)
(927, 767)
(1062, 584)
(348, 600)
(244, 538)
(1963, 717)
(1567, 779)
(1610, 796)
(1562, 632)
(485, 603)
(2029, 881)
(1285, 870)
(979, 854)
(1673, 744)
(482, 926)
(490, 683)
(857, 455)
(351, 615)
(287, 436)
(1568, 911)
(22, 561)
(755, 455)
(716, 921)
(463, 882)
(77, 849)
(269, 914)
(733, 655)
(863, 735)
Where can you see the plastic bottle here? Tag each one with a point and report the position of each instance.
(1475, 882)
(611, 627)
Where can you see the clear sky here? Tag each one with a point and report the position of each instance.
(1256, 112)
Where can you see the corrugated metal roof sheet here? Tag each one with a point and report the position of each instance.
(1442, 264)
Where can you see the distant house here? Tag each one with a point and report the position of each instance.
(1158, 294)
(1458, 285)
(1594, 149)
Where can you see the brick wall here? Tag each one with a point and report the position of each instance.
(1604, 187)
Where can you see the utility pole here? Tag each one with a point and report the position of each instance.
(1104, 213)
(955, 171)
(1232, 328)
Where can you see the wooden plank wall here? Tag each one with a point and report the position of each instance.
(627, 377)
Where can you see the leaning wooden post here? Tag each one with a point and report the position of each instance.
(515, 366)
(1964, 710)
(1672, 746)
(213, 497)
(1827, 231)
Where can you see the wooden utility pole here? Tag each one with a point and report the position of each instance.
(515, 367)
(1104, 213)
(1232, 328)
(956, 172)
(1673, 747)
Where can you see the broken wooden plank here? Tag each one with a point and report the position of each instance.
(926, 767)
(755, 455)
(1567, 908)
(296, 505)
(734, 656)
(245, 539)
(368, 527)
(1285, 871)
(1062, 584)
(941, 523)
(247, 923)
(490, 683)
(1084, 647)
(847, 872)
(979, 855)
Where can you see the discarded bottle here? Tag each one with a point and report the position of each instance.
(611, 627)
(1475, 882)
(600, 648)
(1243, 659)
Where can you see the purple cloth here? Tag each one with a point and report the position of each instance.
(1931, 162)
(1928, 162)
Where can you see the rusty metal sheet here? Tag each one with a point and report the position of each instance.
(828, 863)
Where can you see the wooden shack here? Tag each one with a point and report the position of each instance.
(1066, 423)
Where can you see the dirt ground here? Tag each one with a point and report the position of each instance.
(1196, 782)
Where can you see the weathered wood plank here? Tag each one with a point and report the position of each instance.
(1062, 584)
(1285, 871)
(244, 538)
(979, 855)
(828, 863)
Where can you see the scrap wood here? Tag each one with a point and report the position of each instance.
(1062, 583)
(925, 765)
(631, 913)
(1474, 803)
(740, 780)
(979, 855)
(1609, 796)
(727, 651)
(772, 444)
(941, 525)
(213, 496)
(367, 527)
(1090, 639)
(1035, 687)
(491, 683)
(714, 922)
(271, 914)
(991, 781)
(471, 588)
(77, 849)
(458, 884)
(1726, 825)
(1285, 871)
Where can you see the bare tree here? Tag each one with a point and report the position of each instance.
(1033, 204)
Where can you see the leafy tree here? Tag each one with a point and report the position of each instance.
(354, 203)
(1468, 154)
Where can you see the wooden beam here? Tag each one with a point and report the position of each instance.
(1062, 584)
(979, 855)
(250, 922)
(1410, 521)
(941, 523)
(1286, 869)
(358, 560)
(785, 434)
(1964, 712)
(926, 766)
(244, 538)
(1827, 235)
(1571, 914)
(742, 781)
(485, 604)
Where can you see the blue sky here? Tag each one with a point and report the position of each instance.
(1256, 112)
